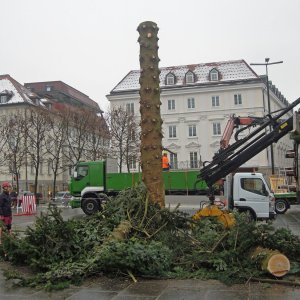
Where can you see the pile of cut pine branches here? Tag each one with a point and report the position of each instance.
(134, 237)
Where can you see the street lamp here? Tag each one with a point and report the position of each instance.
(267, 63)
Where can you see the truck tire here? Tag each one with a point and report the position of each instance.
(250, 215)
(281, 206)
(90, 206)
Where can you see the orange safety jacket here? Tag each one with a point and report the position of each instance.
(165, 162)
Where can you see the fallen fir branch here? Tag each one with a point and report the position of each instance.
(275, 281)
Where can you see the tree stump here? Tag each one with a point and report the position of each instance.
(271, 261)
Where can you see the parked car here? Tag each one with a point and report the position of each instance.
(63, 197)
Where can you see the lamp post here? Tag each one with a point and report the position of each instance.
(267, 63)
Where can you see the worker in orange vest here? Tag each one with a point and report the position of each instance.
(165, 162)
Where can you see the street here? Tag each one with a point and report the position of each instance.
(188, 204)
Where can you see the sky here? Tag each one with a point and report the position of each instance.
(91, 44)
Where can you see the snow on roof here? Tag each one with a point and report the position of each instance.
(228, 70)
(19, 93)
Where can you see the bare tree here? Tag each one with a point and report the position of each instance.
(16, 146)
(98, 138)
(38, 126)
(123, 132)
(77, 124)
(3, 139)
(55, 142)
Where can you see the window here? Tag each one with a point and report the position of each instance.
(12, 142)
(214, 75)
(171, 104)
(32, 168)
(237, 99)
(172, 131)
(131, 135)
(49, 166)
(41, 167)
(82, 171)
(189, 77)
(215, 101)
(49, 105)
(173, 161)
(216, 128)
(3, 99)
(130, 108)
(193, 160)
(192, 130)
(48, 88)
(191, 103)
(132, 162)
(254, 185)
(170, 79)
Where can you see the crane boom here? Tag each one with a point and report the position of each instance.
(233, 123)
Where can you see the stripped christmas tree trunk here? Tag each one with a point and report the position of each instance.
(151, 122)
(271, 261)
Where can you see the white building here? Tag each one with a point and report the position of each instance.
(197, 101)
(53, 97)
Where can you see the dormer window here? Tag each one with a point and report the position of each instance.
(5, 95)
(170, 79)
(3, 99)
(48, 88)
(214, 75)
(36, 101)
(189, 77)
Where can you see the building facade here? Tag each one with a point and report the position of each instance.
(198, 100)
(53, 98)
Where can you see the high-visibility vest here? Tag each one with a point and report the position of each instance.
(165, 162)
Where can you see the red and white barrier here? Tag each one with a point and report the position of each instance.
(28, 206)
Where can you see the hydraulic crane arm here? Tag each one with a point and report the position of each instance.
(233, 123)
(231, 158)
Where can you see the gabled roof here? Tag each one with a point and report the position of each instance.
(19, 93)
(234, 70)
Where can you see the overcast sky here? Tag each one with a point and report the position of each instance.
(92, 44)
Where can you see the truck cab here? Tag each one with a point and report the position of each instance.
(249, 192)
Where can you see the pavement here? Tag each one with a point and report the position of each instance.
(144, 289)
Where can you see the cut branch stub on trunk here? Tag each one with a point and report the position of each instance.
(151, 122)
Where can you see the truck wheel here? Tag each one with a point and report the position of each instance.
(250, 216)
(281, 206)
(90, 206)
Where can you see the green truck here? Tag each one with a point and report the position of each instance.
(91, 184)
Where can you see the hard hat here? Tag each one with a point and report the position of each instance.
(6, 184)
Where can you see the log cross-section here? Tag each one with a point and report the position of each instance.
(271, 261)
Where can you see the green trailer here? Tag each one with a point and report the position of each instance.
(92, 181)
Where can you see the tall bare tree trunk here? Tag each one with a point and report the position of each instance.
(151, 129)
